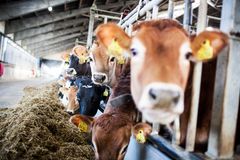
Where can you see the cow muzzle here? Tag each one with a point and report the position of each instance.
(161, 102)
(71, 72)
(99, 78)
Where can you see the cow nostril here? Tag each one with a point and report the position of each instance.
(176, 97)
(103, 78)
(99, 78)
(152, 94)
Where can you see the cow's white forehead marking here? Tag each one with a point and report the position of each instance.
(139, 47)
(184, 49)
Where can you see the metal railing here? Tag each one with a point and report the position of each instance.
(215, 146)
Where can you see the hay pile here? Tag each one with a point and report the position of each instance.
(38, 128)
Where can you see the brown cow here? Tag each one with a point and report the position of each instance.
(111, 131)
(105, 69)
(71, 94)
(160, 54)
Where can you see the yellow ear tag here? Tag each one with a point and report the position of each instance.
(83, 127)
(115, 49)
(205, 52)
(140, 137)
(105, 93)
(120, 60)
(82, 59)
(67, 58)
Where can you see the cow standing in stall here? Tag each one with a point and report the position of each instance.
(111, 131)
(161, 51)
(105, 68)
(83, 95)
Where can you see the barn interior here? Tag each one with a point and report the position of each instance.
(35, 34)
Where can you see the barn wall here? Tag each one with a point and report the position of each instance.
(18, 63)
(2, 26)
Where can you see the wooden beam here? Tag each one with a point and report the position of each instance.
(56, 50)
(54, 40)
(55, 46)
(19, 25)
(48, 28)
(80, 3)
(46, 47)
(107, 1)
(14, 9)
(50, 35)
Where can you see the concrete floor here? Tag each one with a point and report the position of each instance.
(12, 91)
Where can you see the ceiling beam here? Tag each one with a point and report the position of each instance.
(50, 35)
(56, 50)
(54, 40)
(50, 45)
(18, 25)
(53, 46)
(80, 3)
(48, 28)
(107, 1)
(12, 9)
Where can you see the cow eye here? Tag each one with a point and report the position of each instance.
(188, 55)
(112, 59)
(90, 59)
(124, 149)
(134, 52)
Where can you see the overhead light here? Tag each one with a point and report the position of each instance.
(50, 9)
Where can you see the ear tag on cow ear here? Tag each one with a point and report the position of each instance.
(82, 59)
(120, 60)
(140, 137)
(105, 93)
(115, 49)
(206, 51)
(83, 127)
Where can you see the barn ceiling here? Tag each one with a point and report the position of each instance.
(43, 32)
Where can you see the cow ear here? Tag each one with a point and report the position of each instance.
(208, 44)
(65, 56)
(83, 122)
(140, 132)
(113, 38)
(79, 50)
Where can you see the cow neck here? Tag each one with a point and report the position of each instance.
(121, 100)
(123, 82)
(85, 70)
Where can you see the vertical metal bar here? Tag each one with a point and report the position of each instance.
(155, 12)
(227, 87)
(148, 15)
(155, 128)
(138, 8)
(90, 28)
(129, 30)
(105, 19)
(192, 123)
(170, 9)
(187, 14)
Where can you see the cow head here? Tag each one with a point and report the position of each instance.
(160, 53)
(81, 53)
(70, 93)
(77, 61)
(110, 134)
(103, 65)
